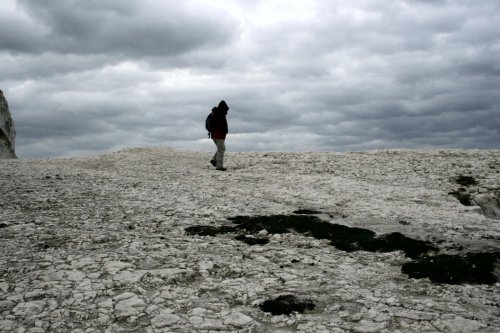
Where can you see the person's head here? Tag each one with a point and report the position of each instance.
(223, 106)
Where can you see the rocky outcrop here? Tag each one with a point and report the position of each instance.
(474, 194)
(7, 130)
(489, 203)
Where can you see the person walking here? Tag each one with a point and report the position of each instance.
(218, 134)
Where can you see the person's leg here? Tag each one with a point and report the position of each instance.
(219, 155)
(213, 161)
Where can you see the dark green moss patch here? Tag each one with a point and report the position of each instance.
(472, 268)
(466, 180)
(342, 237)
(396, 241)
(280, 224)
(252, 240)
(306, 212)
(206, 230)
(286, 304)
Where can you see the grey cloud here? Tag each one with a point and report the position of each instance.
(130, 28)
(43, 66)
(357, 75)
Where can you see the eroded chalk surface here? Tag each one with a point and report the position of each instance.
(154, 240)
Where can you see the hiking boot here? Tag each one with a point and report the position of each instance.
(213, 163)
(221, 169)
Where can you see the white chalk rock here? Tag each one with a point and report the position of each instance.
(165, 319)
(27, 309)
(7, 130)
(237, 319)
(129, 304)
(113, 267)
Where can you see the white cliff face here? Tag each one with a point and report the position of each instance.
(7, 130)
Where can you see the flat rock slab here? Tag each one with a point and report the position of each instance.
(139, 241)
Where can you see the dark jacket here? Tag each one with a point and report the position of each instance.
(220, 121)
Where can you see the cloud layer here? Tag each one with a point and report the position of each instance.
(84, 77)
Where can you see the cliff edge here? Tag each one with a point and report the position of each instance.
(7, 130)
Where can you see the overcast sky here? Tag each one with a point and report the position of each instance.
(91, 76)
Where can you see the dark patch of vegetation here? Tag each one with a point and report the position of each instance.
(252, 240)
(466, 180)
(350, 239)
(396, 241)
(306, 212)
(3, 225)
(342, 237)
(286, 304)
(280, 224)
(206, 230)
(472, 268)
(462, 196)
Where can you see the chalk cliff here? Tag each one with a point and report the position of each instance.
(7, 130)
